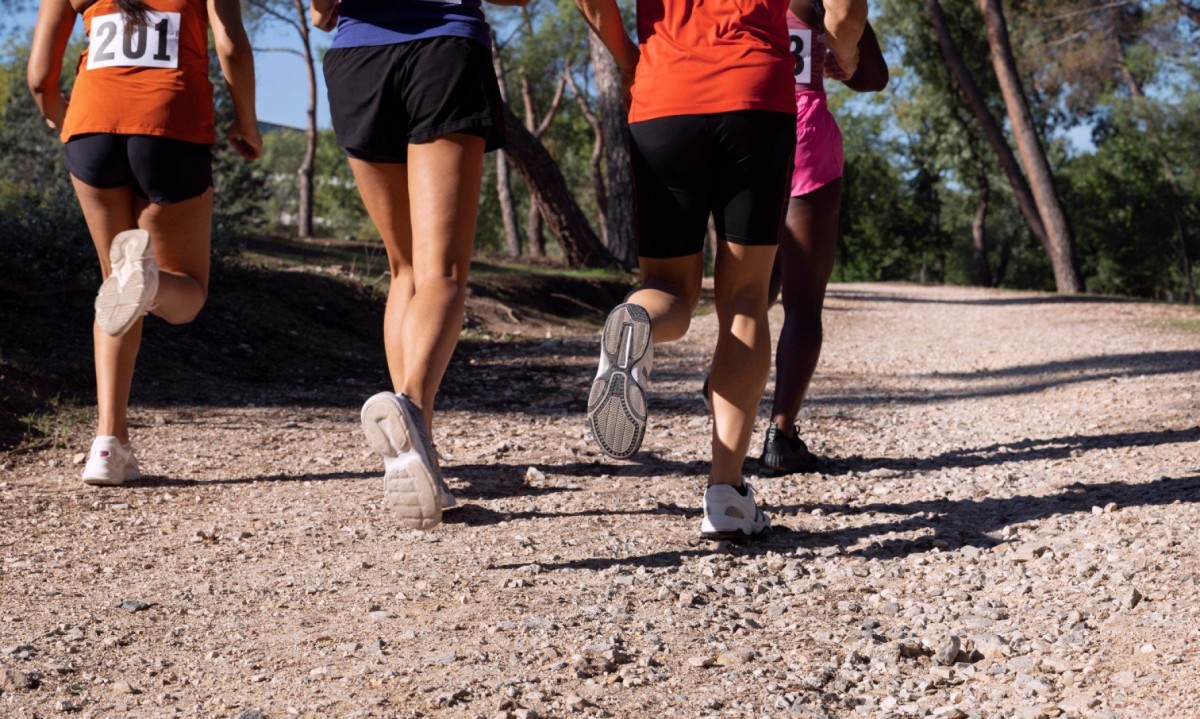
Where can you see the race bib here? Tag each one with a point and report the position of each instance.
(113, 43)
(801, 40)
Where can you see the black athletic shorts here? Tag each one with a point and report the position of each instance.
(160, 169)
(736, 166)
(384, 97)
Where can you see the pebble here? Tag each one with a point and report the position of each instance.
(946, 652)
(14, 680)
(133, 606)
(1131, 598)
(251, 714)
(701, 661)
(123, 687)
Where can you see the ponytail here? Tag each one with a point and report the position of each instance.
(134, 12)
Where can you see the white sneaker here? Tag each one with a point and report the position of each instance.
(729, 515)
(413, 487)
(129, 291)
(617, 402)
(110, 463)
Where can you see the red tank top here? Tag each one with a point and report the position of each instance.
(702, 57)
(151, 80)
(808, 54)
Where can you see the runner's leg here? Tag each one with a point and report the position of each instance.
(743, 355)
(806, 258)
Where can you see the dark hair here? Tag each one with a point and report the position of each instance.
(134, 12)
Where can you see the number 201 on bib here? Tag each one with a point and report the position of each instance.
(114, 43)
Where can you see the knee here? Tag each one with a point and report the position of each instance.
(183, 315)
(687, 293)
(748, 301)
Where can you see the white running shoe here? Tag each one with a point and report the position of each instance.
(129, 291)
(110, 463)
(617, 402)
(730, 515)
(413, 487)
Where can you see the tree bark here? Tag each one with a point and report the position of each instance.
(534, 226)
(504, 193)
(548, 188)
(983, 267)
(304, 225)
(595, 159)
(619, 213)
(991, 128)
(1061, 240)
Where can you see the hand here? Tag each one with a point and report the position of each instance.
(325, 19)
(247, 141)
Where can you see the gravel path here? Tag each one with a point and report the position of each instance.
(1006, 527)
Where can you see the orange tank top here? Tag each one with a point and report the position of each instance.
(701, 57)
(151, 80)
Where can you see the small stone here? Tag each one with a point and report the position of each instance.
(1096, 509)
(735, 658)
(79, 458)
(947, 651)
(13, 680)
(123, 687)
(251, 714)
(575, 703)
(1131, 598)
(380, 615)
(533, 475)
(133, 606)
(1124, 678)
(65, 705)
(1111, 507)
(701, 662)
(990, 645)
(443, 658)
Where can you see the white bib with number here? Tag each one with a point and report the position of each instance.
(801, 44)
(115, 44)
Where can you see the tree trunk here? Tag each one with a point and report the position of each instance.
(595, 159)
(504, 193)
(991, 128)
(533, 221)
(619, 213)
(548, 188)
(983, 268)
(1067, 277)
(305, 224)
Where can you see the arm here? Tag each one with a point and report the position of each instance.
(604, 18)
(845, 21)
(55, 21)
(872, 73)
(237, 65)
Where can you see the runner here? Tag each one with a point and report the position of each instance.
(809, 244)
(712, 122)
(139, 131)
(415, 105)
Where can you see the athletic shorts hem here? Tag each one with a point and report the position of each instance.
(749, 241)
(811, 187)
(481, 126)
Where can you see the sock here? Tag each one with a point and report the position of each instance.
(741, 489)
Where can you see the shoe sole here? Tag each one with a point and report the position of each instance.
(99, 482)
(773, 465)
(617, 403)
(119, 307)
(733, 535)
(409, 489)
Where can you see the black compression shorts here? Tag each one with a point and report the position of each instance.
(736, 166)
(160, 169)
(384, 97)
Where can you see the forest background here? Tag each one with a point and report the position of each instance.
(1034, 145)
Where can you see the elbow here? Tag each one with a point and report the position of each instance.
(234, 49)
(39, 81)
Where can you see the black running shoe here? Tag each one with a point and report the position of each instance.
(784, 455)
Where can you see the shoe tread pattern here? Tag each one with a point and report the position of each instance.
(617, 403)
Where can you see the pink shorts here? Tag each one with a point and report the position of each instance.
(819, 157)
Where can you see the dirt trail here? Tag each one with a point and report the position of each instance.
(1007, 526)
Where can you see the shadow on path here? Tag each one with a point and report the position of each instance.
(958, 522)
(869, 296)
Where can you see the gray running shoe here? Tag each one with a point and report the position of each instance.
(617, 402)
(413, 487)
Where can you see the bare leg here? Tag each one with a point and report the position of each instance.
(670, 291)
(806, 257)
(183, 281)
(429, 262)
(743, 356)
